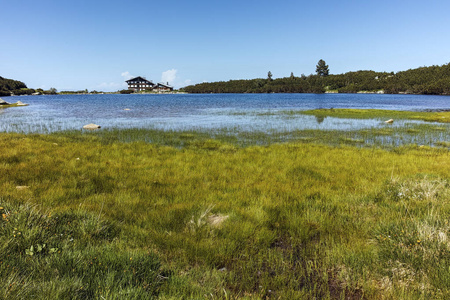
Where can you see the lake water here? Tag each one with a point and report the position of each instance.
(247, 112)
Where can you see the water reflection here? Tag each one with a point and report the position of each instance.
(320, 119)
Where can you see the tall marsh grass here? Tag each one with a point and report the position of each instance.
(194, 216)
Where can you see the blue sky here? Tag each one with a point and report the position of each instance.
(74, 45)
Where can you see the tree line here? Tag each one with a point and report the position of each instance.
(10, 87)
(434, 80)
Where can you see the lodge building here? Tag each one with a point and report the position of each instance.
(139, 83)
(161, 87)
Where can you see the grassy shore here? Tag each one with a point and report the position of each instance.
(140, 214)
(442, 117)
(8, 105)
(94, 215)
(18, 104)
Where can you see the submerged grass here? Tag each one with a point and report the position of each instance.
(386, 136)
(192, 215)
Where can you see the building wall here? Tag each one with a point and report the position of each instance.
(139, 85)
(162, 89)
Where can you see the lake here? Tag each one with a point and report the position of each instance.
(246, 112)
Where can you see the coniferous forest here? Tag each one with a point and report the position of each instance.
(434, 80)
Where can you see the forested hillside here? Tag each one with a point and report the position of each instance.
(9, 85)
(433, 80)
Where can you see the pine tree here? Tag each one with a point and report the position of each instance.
(322, 68)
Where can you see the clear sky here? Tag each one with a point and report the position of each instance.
(97, 44)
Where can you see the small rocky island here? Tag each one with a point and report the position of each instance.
(3, 103)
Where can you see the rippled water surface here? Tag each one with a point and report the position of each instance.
(211, 111)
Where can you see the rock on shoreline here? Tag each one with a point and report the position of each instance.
(3, 102)
(18, 103)
(91, 126)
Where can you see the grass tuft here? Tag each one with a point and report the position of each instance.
(69, 255)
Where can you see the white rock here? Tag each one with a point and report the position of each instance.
(91, 126)
(3, 102)
(20, 103)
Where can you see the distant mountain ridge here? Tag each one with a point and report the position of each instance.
(434, 80)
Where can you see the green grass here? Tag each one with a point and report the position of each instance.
(72, 254)
(8, 105)
(442, 117)
(198, 216)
